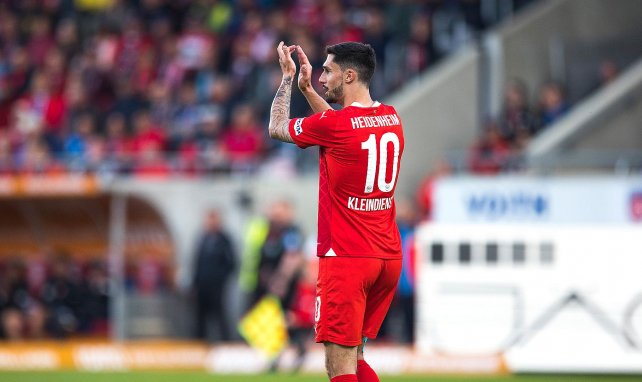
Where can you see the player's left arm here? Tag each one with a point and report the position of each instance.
(280, 111)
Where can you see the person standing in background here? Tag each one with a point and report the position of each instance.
(281, 255)
(215, 262)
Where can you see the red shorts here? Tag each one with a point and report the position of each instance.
(353, 297)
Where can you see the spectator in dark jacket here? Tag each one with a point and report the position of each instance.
(21, 314)
(552, 104)
(517, 122)
(62, 294)
(214, 264)
(281, 255)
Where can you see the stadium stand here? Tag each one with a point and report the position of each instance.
(159, 87)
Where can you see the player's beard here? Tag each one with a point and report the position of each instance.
(335, 95)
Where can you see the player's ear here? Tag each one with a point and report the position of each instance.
(349, 76)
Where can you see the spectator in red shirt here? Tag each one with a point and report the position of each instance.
(425, 193)
(307, 13)
(6, 104)
(150, 162)
(243, 141)
(21, 68)
(132, 45)
(40, 39)
(336, 26)
(300, 316)
(145, 72)
(490, 153)
(55, 67)
(146, 133)
(148, 146)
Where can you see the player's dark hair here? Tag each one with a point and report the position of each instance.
(357, 56)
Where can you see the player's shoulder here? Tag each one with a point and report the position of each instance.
(326, 113)
(389, 108)
(326, 116)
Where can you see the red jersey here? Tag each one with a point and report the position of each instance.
(359, 159)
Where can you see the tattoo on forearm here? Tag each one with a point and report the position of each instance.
(280, 112)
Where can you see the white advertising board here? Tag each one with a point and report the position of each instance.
(546, 298)
(510, 199)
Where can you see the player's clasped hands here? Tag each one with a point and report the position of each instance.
(288, 67)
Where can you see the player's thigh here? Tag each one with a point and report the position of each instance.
(380, 297)
(341, 298)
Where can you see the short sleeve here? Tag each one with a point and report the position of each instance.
(316, 130)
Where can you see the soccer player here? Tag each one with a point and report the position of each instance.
(360, 149)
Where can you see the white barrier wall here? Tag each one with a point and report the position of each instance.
(550, 284)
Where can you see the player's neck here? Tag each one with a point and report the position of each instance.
(360, 95)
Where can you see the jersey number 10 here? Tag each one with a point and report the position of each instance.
(371, 146)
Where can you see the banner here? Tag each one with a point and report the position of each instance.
(229, 358)
(48, 185)
(96, 356)
(546, 200)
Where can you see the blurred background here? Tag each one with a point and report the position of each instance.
(144, 210)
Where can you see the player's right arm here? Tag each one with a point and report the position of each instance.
(317, 103)
(280, 110)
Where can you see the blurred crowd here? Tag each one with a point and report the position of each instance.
(60, 295)
(156, 87)
(53, 297)
(503, 138)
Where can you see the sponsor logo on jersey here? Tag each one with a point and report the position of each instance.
(297, 126)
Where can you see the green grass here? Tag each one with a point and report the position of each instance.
(204, 377)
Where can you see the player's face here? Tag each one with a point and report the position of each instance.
(332, 80)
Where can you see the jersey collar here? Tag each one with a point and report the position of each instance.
(359, 104)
